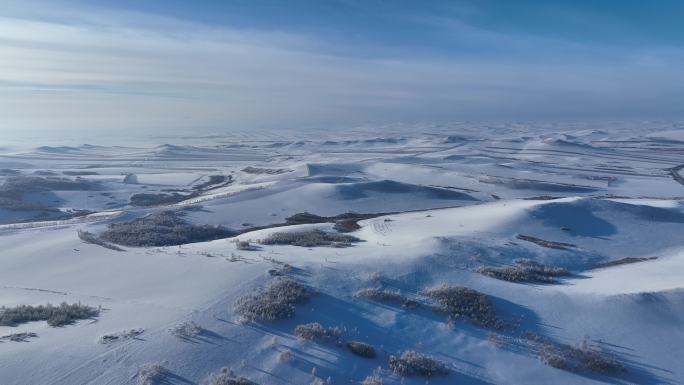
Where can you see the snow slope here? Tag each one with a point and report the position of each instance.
(455, 199)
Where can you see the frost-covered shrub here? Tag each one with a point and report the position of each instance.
(526, 270)
(461, 302)
(545, 243)
(361, 349)
(14, 188)
(380, 295)
(274, 303)
(187, 329)
(311, 238)
(18, 337)
(166, 228)
(152, 374)
(63, 314)
(91, 238)
(374, 379)
(584, 358)
(151, 199)
(121, 336)
(410, 363)
(245, 246)
(227, 377)
(317, 333)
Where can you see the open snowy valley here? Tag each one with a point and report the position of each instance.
(448, 254)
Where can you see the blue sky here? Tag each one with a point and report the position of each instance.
(211, 65)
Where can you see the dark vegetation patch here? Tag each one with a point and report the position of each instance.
(310, 238)
(361, 349)
(9, 172)
(18, 337)
(274, 303)
(544, 243)
(459, 302)
(153, 374)
(91, 238)
(227, 377)
(346, 225)
(410, 363)
(625, 261)
(317, 333)
(542, 198)
(384, 295)
(13, 189)
(79, 173)
(121, 336)
(167, 228)
(267, 171)
(214, 181)
(45, 173)
(526, 270)
(61, 315)
(582, 359)
(158, 199)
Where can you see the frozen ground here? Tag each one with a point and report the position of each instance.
(445, 201)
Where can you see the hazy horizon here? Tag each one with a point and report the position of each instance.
(77, 67)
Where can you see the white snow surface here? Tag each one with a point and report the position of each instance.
(450, 200)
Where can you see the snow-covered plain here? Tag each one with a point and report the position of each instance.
(452, 199)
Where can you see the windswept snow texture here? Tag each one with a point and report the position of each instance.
(442, 204)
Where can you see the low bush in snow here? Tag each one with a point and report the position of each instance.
(584, 358)
(152, 374)
(311, 238)
(380, 295)
(151, 199)
(63, 314)
(461, 302)
(526, 270)
(375, 378)
(18, 337)
(121, 336)
(317, 333)
(93, 239)
(274, 303)
(545, 243)
(166, 228)
(227, 377)
(361, 349)
(410, 363)
(186, 330)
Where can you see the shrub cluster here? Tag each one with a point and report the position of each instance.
(274, 303)
(63, 314)
(461, 302)
(213, 181)
(152, 374)
(311, 238)
(18, 337)
(121, 336)
(545, 243)
(227, 377)
(584, 358)
(267, 171)
(160, 199)
(317, 333)
(361, 349)
(91, 238)
(14, 188)
(410, 363)
(380, 295)
(167, 228)
(526, 270)
(186, 330)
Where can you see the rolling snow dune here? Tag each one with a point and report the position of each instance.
(596, 204)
